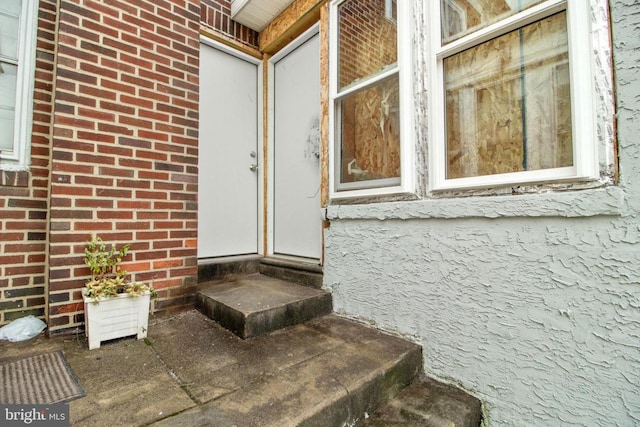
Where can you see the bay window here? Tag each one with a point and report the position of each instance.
(515, 93)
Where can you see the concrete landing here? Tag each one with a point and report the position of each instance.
(255, 305)
(327, 372)
(192, 372)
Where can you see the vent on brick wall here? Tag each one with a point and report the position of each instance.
(256, 14)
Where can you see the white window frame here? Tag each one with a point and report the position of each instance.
(403, 68)
(583, 116)
(388, 10)
(18, 158)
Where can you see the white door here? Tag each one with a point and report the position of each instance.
(297, 222)
(228, 154)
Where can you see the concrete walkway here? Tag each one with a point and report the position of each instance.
(191, 372)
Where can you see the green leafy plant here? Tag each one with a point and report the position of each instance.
(107, 278)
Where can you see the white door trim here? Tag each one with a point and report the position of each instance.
(299, 41)
(260, 119)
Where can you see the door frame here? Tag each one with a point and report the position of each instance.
(260, 134)
(296, 43)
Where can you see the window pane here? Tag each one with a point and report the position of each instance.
(370, 127)
(508, 106)
(9, 20)
(461, 17)
(7, 104)
(367, 39)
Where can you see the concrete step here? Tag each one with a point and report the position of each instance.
(255, 305)
(302, 272)
(428, 403)
(327, 372)
(220, 268)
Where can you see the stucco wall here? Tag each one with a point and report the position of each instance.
(531, 302)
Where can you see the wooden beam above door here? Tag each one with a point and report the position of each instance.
(293, 21)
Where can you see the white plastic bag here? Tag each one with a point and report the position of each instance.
(22, 329)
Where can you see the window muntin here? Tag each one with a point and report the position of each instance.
(18, 26)
(461, 17)
(507, 103)
(544, 146)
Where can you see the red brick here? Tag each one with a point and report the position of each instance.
(152, 235)
(98, 92)
(115, 150)
(61, 190)
(117, 214)
(93, 226)
(116, 172)
(133, 204)
(137, 225)
(120, 130)
(94, 203)
(119, 86)
(96, 159)
(157, 136)
(94, 136)
(136, 164)
(137, 101)
(11, 259)
(117, 107)
(117, 65)
(109, 192)
(171, 263)
(152, 215)
(157, 195)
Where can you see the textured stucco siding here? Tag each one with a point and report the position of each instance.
(530, 302)
(539, 317)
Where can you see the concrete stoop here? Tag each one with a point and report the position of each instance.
(255, 304)
(354, 375)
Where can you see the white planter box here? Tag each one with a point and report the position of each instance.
(116, 317)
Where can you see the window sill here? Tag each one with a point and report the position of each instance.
(586, 203)
(14, 178)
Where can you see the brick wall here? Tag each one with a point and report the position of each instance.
(24, 196)
(114, 151)
(125, 146)
(216, 15)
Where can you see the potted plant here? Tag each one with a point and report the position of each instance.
(114, 307)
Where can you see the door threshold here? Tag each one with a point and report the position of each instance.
(292, 259)
(296, 263)
(228, 258)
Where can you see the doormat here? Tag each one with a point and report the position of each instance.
(42, 379)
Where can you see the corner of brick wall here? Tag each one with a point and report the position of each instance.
(24, 196)
(125, 147)
(215, 15)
